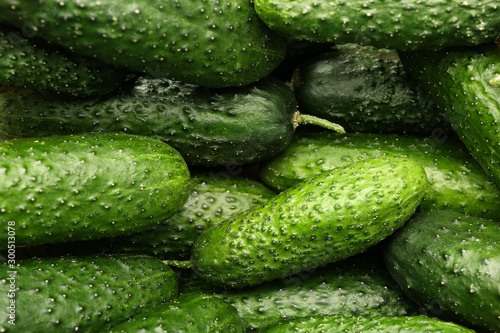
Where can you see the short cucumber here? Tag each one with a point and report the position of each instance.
(323, 219)
(394, 24)
(462, 82)
(358, 285)
(385, 324)
(81, 294)
(365, 90)
(186, 314)
(209, 43)
(449, 262)
(456, 180)
(31, 63)
(214, 127)
(91, 186)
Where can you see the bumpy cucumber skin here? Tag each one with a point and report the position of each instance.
(187, 314)
(324, 219)
(365, 90)
(402, 25)
(459, 81)
(456, 180)
(30, 63)
(385, 324)
(211, 127)
(215, 44)
(91, 186)
(355, 286)
(449, 262)
(84, 294)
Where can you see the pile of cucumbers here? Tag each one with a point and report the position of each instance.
(264, 165)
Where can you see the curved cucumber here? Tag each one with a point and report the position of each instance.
(366, 90)
(209, 43)
(207, 126)
(385, 324)
(449, 262)
(456, 180)
(402, 25)
(186, 314)
(324, 219)
(90, 186)
(31, 63)
(82, 294)
(462, 82)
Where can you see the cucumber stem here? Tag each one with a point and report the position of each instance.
(495, 82)
(307, 119)
(179, 263)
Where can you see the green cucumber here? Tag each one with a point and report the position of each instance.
(450, 263)
(209, 43)
(358, 286)
(402, 25)
(385, 324)
(456, 180)
(366, 90)
(186, 314)
(214, 127)
(84, 294)
(85, 187)
(30, 63)
(462, 82)
(323, 219)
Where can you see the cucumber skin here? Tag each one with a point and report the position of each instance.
(86, 187)
(401, 25)
(187, 314)
(89, 293)
(324, 219)
(386, 324)
(458, 79)
(209, 43)
(365, 90)
(209, 127)
(30, 63)
(359, 285)
(458, 274)
(456, 180)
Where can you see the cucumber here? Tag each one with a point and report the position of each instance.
(84, 294)
(324, 219)
(449, 262)
(209, 43)
(386, 324)
(462, 82)
(210, 127)
(357, 286)
(31, 63)
(456, 180)
(186, 314)
(402, 25)
(365, 90)
(64, 188)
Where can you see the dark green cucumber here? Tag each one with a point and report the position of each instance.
(89, 186)
(449, 262)
(385, 324)
(31, 63)
(462, 82)
(186, 314)
(356, 286)
(402, 25)
(456, 180)
(324, 219)
(365, 90)
(209, 43)
(84, 294)
(207, 126)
